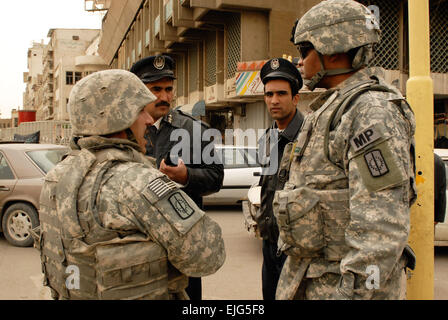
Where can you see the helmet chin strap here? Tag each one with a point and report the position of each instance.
(314, 81)
(131, 136)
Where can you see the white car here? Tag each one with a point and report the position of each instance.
(441, 234)
(241, 171)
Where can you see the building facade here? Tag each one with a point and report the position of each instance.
(69, 56)
(32, 98)
(54, 68)
(5, 123)
(220, 45)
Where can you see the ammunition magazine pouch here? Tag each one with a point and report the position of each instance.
(142, 275)
(312, 222)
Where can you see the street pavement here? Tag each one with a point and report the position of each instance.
(238, 279)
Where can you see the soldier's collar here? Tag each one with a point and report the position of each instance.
(361, 75)
(100, 142)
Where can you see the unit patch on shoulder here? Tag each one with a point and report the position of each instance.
(380, 168)
(181, 206)
(376, 163)
(365, 138)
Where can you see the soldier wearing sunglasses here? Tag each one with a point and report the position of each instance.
(343, 214)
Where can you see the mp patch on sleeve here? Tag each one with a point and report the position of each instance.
(365, 138)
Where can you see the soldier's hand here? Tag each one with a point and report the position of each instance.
(178, 174)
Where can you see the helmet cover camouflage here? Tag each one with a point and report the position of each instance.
(336, 26)
(107, 102)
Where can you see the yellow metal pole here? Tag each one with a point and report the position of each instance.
(419, 92)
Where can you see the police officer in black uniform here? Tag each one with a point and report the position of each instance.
(282, 83)
(197, 179)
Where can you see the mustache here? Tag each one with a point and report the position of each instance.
(162, 104)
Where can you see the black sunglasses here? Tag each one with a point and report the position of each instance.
(304, 49)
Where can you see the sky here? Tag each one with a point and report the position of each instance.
(25, 21)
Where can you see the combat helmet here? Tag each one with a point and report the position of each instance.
(337, 26)
(107, 102)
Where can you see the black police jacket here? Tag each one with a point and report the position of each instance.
(269, 183)
(203, 179)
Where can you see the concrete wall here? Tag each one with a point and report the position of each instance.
(254, 35)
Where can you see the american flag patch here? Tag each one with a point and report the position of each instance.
(161, 186)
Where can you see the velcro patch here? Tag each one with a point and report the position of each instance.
(181, 206)
(380, 168)
(376, 163)
(161, 186)
(365, 138)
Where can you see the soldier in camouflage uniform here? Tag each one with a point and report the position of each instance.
(343, 215)
(112, 225)
(198, 178)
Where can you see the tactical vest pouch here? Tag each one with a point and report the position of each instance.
(312, 222)
(300, 222)
(334, 209)
(145, 276)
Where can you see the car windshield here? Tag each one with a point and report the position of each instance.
(46, 159)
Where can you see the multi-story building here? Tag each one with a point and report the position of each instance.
(32, 98)
(69, 56)
(220, 45)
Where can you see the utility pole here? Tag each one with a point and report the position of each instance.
(419, 92)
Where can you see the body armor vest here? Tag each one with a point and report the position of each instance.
(313, 209)
(83, 260)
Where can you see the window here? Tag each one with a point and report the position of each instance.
(47, 159)
(69, 77)
(75, 37)
(78, 76)
(5, 170)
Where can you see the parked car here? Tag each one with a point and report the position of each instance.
(22, 168)
(441, 233)
(241, 171)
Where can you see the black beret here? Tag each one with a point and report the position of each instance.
(279, 68)
(154, 68)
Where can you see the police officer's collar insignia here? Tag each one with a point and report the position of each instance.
(181, 206)
(275, 64)
(159, 62)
